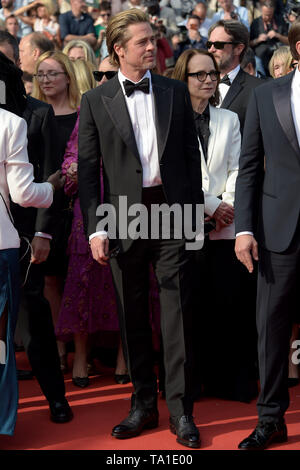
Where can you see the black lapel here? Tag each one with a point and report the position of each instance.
(282, 103)
(115, 104)
(163, 100)
(234, 90)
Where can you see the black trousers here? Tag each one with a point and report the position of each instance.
(277, 302)
(225, 336)
(37, 332)
(173, 268)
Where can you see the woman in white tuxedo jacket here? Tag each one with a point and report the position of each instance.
(226, 329)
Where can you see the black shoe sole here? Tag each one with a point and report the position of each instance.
(129, 434)
(276, 440)
(184, 442)
(62, 420)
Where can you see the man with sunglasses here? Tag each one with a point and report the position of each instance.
(106, 71)
(228, 41)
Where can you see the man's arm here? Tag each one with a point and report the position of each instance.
(249, 186)
(89, 152)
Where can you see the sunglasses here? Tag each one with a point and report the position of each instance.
(202, 75)
(108, 75)
(219, 44)
(294, 64)
(104, 14)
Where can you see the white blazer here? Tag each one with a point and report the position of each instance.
(16, 176)
(220, 171)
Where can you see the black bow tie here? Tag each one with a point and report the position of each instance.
(130, 87)
(225, 80)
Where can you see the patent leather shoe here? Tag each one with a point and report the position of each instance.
(81, 382)
(135, 423)
(263, 435)
(60, 411)
(186, 431)
(122, 378)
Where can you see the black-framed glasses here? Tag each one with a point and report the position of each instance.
(108, 75)
(202, 75)
(104, 14)
(219, 44)
(51, 75)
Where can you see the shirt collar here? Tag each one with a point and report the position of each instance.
(122, 78)
(297, 77)
(233, 73)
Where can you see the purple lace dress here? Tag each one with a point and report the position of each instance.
(88, 303)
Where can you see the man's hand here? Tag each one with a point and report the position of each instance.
(246, 249)
(272, 34)
(224, 214)
(40, 250)
(99, 247)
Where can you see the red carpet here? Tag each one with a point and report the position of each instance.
(97, 408)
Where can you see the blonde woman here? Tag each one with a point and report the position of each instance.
(84, 75)
(55, 83)
(281, 62)
(78, 49)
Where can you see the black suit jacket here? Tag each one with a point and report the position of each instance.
(105, 130)
(43, 154)
(269, 196)
(238, 95)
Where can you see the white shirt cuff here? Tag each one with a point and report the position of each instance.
(43, 235)
(244, 233)
(102, 234)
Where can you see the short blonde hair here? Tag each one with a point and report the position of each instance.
(283, 53)
(88, 51)
(116, 31)
(84, 75)
(66, 63)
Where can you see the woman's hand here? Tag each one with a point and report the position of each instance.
(224, 215)
(57, 180)
(72, 172)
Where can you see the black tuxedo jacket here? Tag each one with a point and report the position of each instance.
(269, 196)
(105, 130)
(43, 154)
(238, 95)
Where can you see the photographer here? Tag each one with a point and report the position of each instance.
(162, 16)
(267, 33)
(231, 12)
(190, 37)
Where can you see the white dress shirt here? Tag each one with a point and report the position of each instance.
(141, 110)
(295, 102)
(223, 88)
(295, 105)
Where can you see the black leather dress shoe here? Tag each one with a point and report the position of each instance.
(81, 382)
(122, 378)
(134, 424)
(263, 435)
(24, 374)
(186, 431)
(60, 411)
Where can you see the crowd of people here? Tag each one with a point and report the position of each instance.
(161, 102)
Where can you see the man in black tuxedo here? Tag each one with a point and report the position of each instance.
(228, 41)
(267, 206)
(146, 136)
(37, 225)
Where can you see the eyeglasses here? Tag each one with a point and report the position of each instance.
(219, 44)
(294, 64)
(108, 75)
(49, 75)
(202, 76)
(104, 14)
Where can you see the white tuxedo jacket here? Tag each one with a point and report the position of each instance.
(220, 171)
(16, 177)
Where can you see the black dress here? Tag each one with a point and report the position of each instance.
(57, 262)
